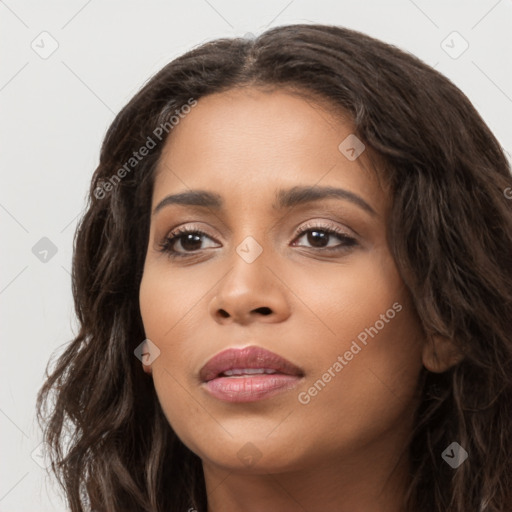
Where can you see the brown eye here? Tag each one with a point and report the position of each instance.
(183, 241)
(320, 237)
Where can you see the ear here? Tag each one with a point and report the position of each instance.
(149, 353)
(440, 354)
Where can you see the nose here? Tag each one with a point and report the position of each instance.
(250, 292)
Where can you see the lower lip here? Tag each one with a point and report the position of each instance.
(250, 388)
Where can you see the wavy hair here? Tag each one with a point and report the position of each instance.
(449, 230)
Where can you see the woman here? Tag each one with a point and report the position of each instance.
(294, 287)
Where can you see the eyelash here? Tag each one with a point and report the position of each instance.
(346, 241)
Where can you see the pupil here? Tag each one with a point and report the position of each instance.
(313, 239)
(191, 238)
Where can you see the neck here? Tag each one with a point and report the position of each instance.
(374, 481)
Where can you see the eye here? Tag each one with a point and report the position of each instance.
(183, 242)
(187, 241)
(320, 237)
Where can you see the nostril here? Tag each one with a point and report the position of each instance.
(223, 314)
(264, 310)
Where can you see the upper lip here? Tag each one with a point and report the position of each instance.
(248, 357)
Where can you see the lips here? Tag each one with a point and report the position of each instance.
(236, 361)
(248, 375)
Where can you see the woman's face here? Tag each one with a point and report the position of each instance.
(329, 300)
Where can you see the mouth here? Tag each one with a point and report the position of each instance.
(248, 375)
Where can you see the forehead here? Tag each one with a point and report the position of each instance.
(249, 139)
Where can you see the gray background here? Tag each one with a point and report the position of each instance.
(57, 106)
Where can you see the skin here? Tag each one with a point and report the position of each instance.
(342, 450)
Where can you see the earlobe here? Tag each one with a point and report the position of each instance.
(149, 353)
(440, 354)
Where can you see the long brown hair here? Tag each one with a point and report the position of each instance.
(450, 232)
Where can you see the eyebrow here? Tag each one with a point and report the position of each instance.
(284, 198)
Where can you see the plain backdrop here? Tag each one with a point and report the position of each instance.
(68, 67)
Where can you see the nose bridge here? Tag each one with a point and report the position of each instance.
(250, 289)
(251, 245)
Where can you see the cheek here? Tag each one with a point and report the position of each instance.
(170, 303)
(344, 299)
(169, 313)
(162, 300)
(368, 321)
(373, 392)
